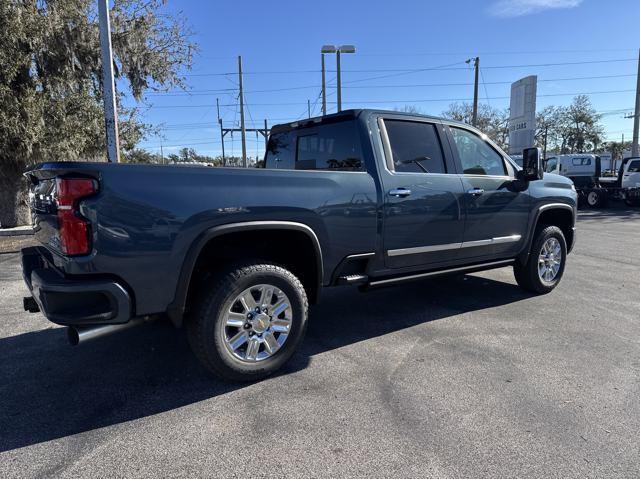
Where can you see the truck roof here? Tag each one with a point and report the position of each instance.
(346, 114)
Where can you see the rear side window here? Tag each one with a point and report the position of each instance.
(581, 161)
(476, 155)
(415, 147)
(335, 146)
(280, 151)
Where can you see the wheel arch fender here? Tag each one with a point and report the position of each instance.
(547, 208)
(177, 307)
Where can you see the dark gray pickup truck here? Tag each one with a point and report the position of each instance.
(363, 197)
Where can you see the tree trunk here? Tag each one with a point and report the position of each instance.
(14, 209)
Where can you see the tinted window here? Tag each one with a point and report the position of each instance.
(552, 164)
(280, 151)
(634, 167)
(335, 146)
(476, 155)
(413, 144)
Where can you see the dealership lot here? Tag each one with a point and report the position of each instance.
(463, 377)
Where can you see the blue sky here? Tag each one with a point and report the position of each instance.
(280, 44)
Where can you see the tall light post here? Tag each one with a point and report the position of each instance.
(338, 51)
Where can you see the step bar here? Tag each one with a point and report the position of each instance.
(442, 272)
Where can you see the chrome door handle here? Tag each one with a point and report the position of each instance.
(476, 191)
(400, 192)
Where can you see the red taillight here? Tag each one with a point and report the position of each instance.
(75, 231)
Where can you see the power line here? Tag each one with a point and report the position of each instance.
(451, 66)
(404, 101)
(211, 92)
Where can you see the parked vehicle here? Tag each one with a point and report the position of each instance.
(585, 170)
(363, 197)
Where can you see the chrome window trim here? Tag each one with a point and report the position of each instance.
(388, 155)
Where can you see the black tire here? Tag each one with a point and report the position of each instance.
(595, 198)
(527, 275)
(631, 202)
(205, 331)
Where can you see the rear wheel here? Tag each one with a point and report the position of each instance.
(544, 268)
(248, 324)
(632, 202)
(595, 198)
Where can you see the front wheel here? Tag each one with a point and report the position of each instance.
(248, 324)
(544, 268)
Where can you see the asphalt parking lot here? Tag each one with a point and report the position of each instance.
(464, 377)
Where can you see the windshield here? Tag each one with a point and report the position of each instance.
(634, 167)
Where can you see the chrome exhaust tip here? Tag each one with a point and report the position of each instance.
(82, 334)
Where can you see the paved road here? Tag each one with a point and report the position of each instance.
(467, 377)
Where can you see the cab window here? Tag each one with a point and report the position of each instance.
(415, 147)
(476, 155)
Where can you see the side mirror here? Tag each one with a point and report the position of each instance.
(531, 164)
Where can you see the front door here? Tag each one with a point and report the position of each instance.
(423, 211)
(496, 207)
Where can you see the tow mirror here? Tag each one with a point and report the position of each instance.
(531, 164)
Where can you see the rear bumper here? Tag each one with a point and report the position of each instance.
(73, 301)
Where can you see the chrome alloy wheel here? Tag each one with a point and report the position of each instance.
(550, 260)
(257, 323)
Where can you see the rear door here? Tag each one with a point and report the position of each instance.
(423, 216)
(496, 207)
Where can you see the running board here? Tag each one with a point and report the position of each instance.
(353, 279)
(442, 272)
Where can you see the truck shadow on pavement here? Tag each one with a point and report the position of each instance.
(50, 390)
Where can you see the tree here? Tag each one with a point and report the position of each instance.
(140, 156)
(548, 122)
(50, 81)
(491, 121)
(408, 109)
(582, 126)
(617, 148)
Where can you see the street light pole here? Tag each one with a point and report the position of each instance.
(338, 51)
(108, 84)
(324, 88)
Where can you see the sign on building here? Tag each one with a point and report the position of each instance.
(522, 118)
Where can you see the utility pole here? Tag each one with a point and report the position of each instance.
(635, 148)
(242, 128)
(324, 88)
(266, 135)
(108, 84)
(161, 153)
(338, 81)
(474, 114)
(224, 161)
(308, 108)
(544, 153)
